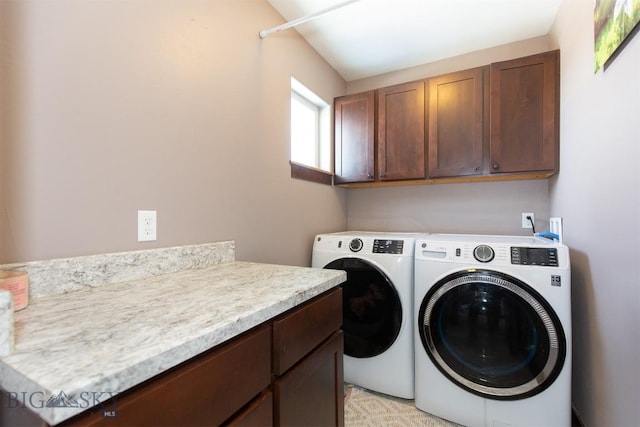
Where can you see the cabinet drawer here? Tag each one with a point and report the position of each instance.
(305, 328)
(202, 392)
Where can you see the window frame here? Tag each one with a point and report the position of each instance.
(324, 110)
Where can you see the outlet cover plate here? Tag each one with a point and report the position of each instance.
(147, 226)
(525, 222)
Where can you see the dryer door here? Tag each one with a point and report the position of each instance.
(492, 334)
(372, 311)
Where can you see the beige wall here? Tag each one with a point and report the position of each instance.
(598, 194)
(491, 208)
(109, 107)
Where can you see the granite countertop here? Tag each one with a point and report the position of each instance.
(92, 343)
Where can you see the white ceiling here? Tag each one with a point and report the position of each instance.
(371, 37)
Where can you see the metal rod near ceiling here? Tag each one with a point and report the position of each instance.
(291, 24)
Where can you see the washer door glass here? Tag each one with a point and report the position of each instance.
(492, 334)
(372, 312)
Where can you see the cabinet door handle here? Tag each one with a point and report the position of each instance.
(495, 166)
(381, 175)
(370, 176)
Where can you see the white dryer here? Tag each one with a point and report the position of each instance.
(377, 306)
(493, 330)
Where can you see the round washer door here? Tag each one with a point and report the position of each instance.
(492, 334)
(371, 308)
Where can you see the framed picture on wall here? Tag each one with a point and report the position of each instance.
(614, 23)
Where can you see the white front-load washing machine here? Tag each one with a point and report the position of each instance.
(493, 330)
(377, 306)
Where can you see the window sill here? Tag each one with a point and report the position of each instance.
(309, 173)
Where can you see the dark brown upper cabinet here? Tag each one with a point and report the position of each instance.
(524, 114)
(457, 123)
(490, 123)
(401, 132)
(354, 137)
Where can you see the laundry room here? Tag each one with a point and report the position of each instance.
(110, 108)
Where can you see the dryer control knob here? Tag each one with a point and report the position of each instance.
(355, 245)
(483, 253)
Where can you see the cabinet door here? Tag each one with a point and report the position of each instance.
(312, 392)
(354, 137)
(401, 132)
(456, 123)
(524, 114)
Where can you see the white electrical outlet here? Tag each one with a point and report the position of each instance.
(525, 221)
(147, 224)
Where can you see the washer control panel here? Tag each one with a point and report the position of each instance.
(547, 257)
(381, 246)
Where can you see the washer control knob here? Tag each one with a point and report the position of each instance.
(355, 245)
(483, 253)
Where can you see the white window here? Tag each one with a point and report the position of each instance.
(310, 128)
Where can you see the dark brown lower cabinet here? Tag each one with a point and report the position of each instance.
(258, 413)
(285, 372)
(312, 392)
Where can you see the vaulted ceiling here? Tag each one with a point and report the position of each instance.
(370, 37)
